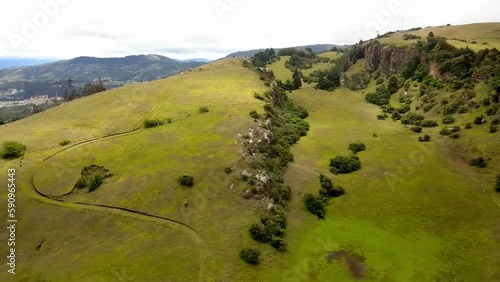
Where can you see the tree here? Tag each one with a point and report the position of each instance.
(12, 150)
(70, 91)
(431, 34)
(357, 147)
(315, 205)
(297, 82)
(392, 85)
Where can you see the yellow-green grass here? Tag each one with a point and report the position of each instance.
(359, 67)
(279, 69)
(330, 55)
(481, 33)
(146, 165)
(438, 220)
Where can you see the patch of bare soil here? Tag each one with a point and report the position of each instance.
(355, 262)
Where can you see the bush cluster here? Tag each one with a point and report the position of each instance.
(343, 165)
(448, 120)
(478, 162)
(429, 123)
(357, 147)
(425, 138)
(92, 177)
(449, 130)
(186, 180)
(250, 256)
(316, 204)
(150, 123)
(64, 142)
(271, 228)
(416, 129)
(12, 150)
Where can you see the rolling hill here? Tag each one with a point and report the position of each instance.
(115, 72)
(414, 211)
(316, 48)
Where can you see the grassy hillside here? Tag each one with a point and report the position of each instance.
(146, 165)
(485, 35)
(404, 212)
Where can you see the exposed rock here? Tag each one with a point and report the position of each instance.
(388, 59)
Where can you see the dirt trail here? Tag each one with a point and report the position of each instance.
(207, 263)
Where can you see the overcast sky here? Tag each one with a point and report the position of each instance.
(63, 29)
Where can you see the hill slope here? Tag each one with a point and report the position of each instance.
(115, 72)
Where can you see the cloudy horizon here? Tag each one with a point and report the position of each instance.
(63, 29)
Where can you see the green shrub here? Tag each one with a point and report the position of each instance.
(64, 142)
(357, 147)
(468, 126)
(416, 129)
(479, 120)
(449, 130)
(12, 150)
(425, 138)
(258, 233)
(228, 169)
(344, 165)
(328, 190)
(382, 117)
(429, 123)
(412, 118)
(258, 96)
(250, 256)
(203, 110)
(96, 181)
(92, 177)
(186, 180)
(448, 120)
(315, 205)
(478, 162)
(254, 114)
(150, 123)
(455, 136)
(493, 128)
(278, 243)
(169, 120)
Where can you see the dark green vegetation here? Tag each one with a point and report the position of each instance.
(343, 165)
(92, 177)
(186, 180)
(357, 147)
(64, 142)
(285, 122)
(425, 138)
(478, 162)
(12, 150)
(153, 122)
(203, 110)
(317, 204)
(71, 92)
(250, 256)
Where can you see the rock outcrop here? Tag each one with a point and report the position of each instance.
(388, 59)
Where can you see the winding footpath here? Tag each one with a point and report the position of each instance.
(207, 263)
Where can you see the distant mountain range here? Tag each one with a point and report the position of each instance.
(316, 48)
(20, 62)
(115, 72)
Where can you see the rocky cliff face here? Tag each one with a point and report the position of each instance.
(388, 59)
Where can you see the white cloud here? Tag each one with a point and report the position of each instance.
(65, 29)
